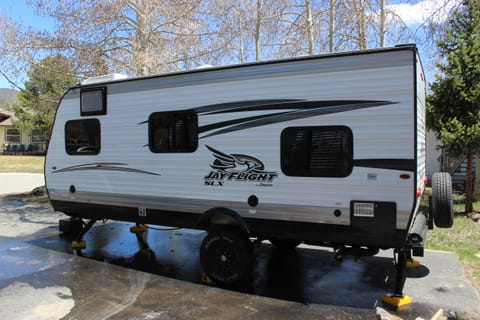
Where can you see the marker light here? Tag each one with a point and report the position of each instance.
(419, 192)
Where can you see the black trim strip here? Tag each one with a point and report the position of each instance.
(298, 104)
(222, 124)
(239, 106)
(108, 166)
(393, 164)
(304, 109)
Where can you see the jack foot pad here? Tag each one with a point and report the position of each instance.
(396, 302)
(79, 245)
(206, 279)
(412, 264)
(139, 228)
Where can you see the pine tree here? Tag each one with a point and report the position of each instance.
(48, 80)
(454, 105)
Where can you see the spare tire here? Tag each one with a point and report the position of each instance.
(442, 200)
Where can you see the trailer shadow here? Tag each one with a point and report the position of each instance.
(306, 275)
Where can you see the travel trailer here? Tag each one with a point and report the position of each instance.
(326, 150)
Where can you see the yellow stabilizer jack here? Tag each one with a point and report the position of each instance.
(79, 245)
(396, 301)
(206, 279)
(412, 263)
(140, 228)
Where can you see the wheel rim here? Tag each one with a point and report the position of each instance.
(225, 258)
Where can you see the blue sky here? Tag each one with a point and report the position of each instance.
(21, 12)
(413, 14)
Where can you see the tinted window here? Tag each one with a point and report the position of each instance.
(317, 151)
(173, 131)
(93, 101)
(82, 137)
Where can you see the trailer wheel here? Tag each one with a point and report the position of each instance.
(226, 256)
(285, 244)
(442, 200)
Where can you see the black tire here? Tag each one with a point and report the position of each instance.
(285, 244)
(442, 200)
(226, 256)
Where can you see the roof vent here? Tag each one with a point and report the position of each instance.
(204, 66)
(104, 78)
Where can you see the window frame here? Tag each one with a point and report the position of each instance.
(34, 135)
(103, 110)
(7, 135)
(88, 153)
(342, 172)
(194, 133)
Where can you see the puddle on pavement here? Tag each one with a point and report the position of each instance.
(304, 275)
(16, 203)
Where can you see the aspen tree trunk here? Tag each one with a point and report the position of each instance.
(308, 11)
(258, 23)
(359, 11)
(331, 25)
(140, 43)
(382, 23)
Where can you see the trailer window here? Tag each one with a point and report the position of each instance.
(317, 151)
(93, 101)
(82, 137)
(173, 131)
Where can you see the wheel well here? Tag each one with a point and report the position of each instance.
(221, 216)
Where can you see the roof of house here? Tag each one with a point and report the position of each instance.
(6, 117)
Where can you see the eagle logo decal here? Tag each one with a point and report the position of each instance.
(237, 167)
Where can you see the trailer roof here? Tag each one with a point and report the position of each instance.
(109, 80)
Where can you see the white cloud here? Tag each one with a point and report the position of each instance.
(417, 13)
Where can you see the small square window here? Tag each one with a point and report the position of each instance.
(93, 101)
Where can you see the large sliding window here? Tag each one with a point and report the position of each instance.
(82, 137)
(173, 131)
(325, 151)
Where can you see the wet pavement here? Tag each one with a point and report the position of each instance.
(113, 278)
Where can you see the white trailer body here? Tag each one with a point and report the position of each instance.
(327, 149)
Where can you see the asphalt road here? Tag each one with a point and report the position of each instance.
(41, 278)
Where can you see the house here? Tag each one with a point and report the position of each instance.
(437, 160)
(10, 136)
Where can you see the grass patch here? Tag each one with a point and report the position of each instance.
(463, 238)
(23, 164)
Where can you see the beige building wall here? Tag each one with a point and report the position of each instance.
(25, 139)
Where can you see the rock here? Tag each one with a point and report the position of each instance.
(38, 191)
(383, 314)
(475, 216)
